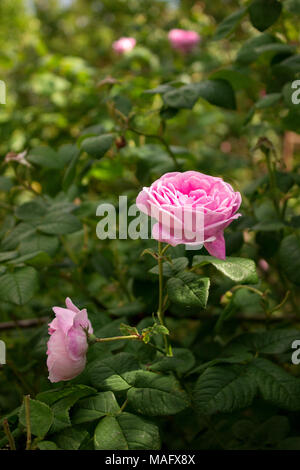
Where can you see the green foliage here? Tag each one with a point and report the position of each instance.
(208, 364)
(188, 291)
(153, 395)
(41, 417)
(126, 432)
(237, 269)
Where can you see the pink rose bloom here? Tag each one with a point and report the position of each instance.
(67, 345)
(191, 209)
(124, 45)
(182, 40)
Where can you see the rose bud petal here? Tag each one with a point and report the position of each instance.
(67, 345)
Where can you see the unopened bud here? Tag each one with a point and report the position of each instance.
(226, 298)
(121, 142)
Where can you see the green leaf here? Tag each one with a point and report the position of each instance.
(291, 443)
(128, 330)
(55, 394)
(97, 146)
(131, 309)
(216, 91)
(160, 89)
(7, 255)
(268, 100)
(17, 235)
(71, 438)
(263, 13)
(5, 183)
(59, 224)
(36, 259)
(271, 432)
(275, 341)
(41, 417)
(229, 24)
(241, 270)
(30, 210)
(293, 6)
(62, 406)
(228, 312)
(156, 395)
(182, 98)
(46, 157)
(126, 432)
(223, 389)
(47, 445)
(19, 286)
(275, 384)
(182, 361)
(115, 373)
(67, 152)
(289, 257)
(288, 67)
(268, 226)
(240, 358)
(188, 291)
(249, 52)
(95, 407)
(70, 173)
(173, 267)
(39, 242)
(154, 329)
(237, 77)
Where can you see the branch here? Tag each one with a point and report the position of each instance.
(10, 325)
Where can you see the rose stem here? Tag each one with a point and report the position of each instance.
(28, 426)
(160, 312)
(115, 338)
(9, 435)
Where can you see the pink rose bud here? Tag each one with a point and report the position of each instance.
(124, 45)
(67, 345)
(182, 40)
(191, 209)
(262, 93)
(263, 264)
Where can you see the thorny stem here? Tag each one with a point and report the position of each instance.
(115, 338)
(160, 311)
(27, 416)
(9, 435)
(123, 406)
(272, 178)
(252, 289)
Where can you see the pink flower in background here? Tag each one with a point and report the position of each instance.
(182, 40)
(124, 45)
(17, 157)
(263, 264)
(262, 93)
(67, 345)
(179, 200)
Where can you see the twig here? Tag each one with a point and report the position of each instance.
(161, 139)
(28, 425)
(9, 435)
(10, 325)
